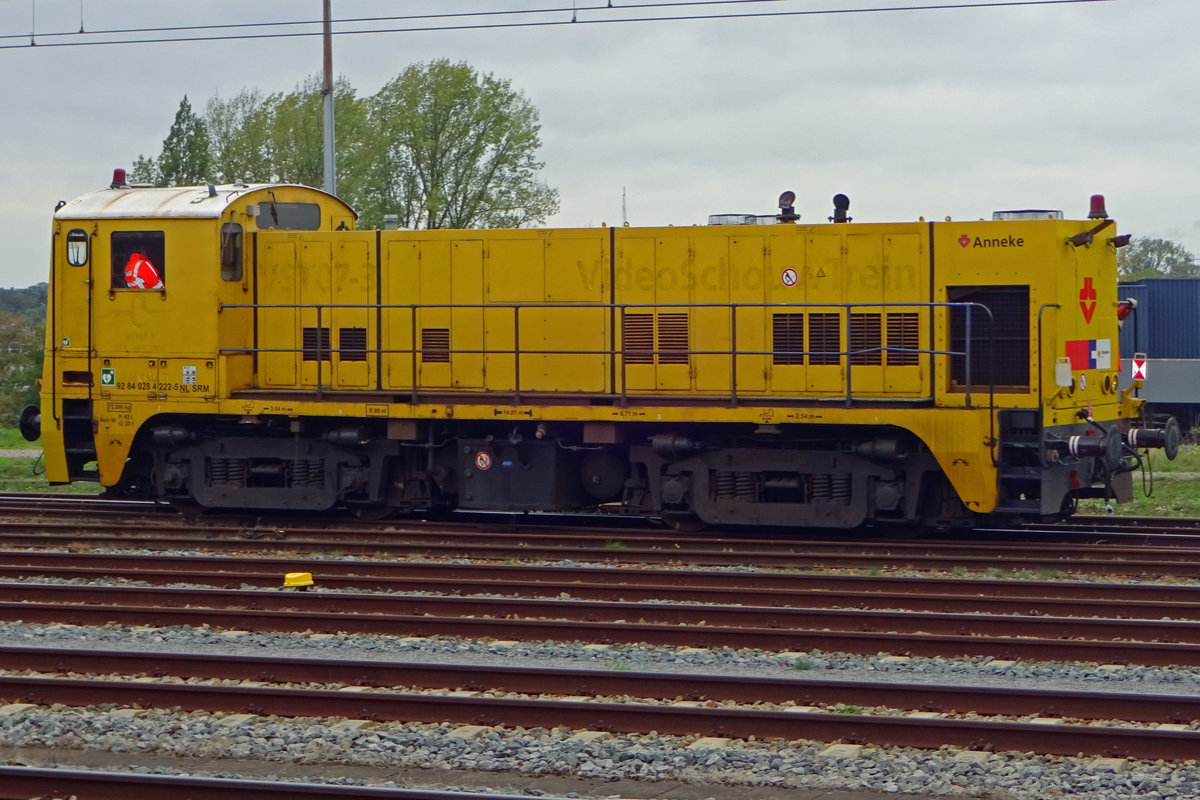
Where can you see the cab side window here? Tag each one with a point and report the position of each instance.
(289, 216)
(77, 247)
(138, 260)
(231, 252)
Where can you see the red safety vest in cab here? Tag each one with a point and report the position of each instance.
(140, 273)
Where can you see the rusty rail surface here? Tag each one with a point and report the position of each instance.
(1081, 527)
(1127, 561)
(504, 608)
(21, 783)
(1061, 598)
(943, 698)
(678, 719)
(852, 631)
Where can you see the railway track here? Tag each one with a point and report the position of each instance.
(950, 595)
(1103, 524)
(641, 548)
(657, 686)
(676, 704)
(21, 783)
(1082, 528)
(408, 579)
(1107, 623)
(1116, 641)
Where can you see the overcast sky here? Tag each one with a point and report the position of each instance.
(929, 113)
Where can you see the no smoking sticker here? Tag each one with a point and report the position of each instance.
(789, 277)
(483, 460)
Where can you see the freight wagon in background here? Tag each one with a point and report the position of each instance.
(1165, 328)
(245, 347)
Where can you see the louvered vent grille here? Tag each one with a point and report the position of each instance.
(673, 338)
(435, 345)
(903, 330)
(637, 336)
(866, 337)
(352, 344)
(787, 338)
(316, 344)
(824, 339)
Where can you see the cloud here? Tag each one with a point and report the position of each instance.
(932, 113)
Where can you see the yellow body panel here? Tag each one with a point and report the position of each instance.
(473, 300)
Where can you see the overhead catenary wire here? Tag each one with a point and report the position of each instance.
(570, 16)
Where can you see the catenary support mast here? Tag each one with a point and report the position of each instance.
(327, 104)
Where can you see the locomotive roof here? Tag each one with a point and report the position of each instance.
(196, 202)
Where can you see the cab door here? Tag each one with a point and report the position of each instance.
(73, 267)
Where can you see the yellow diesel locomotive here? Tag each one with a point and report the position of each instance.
(245, 346)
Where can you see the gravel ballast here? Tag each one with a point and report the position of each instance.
(652, 758)
(511, 751)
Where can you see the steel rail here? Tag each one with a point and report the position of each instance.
(1146, 529)
(695, 579)
(1104, 524)
(1160, 529)
(21, 783)
(137, 528)
(1112, 601)
(505, 608)
(1129, 562)
(949, 699)
(655, 623)
(74, 503)
(680, 719)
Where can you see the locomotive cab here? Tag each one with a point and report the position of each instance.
(135, 326)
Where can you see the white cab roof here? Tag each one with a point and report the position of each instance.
(182, 201)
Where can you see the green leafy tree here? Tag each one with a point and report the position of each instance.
(185, 158)
(297, 132)
(30, 301)
(279, 137)
(145, 170)
(451, 148)
(441, 146)
(240, 137)
(1156, 258)
(21, 346)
